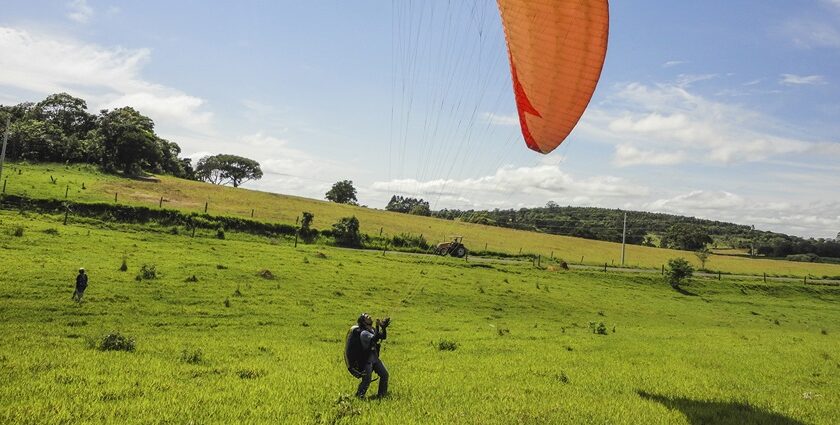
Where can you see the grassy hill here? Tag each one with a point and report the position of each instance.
(36, 181)
(235, 346)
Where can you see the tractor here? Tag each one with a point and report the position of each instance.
(454, 248)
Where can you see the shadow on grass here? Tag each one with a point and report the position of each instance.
(717, 412)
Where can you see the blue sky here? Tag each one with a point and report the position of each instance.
(719, 109)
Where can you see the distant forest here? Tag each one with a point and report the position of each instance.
(652, 229)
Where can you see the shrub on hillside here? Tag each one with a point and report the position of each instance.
(679, 270)
(804, 258)
(598, 328)
(446, 345)
(192, 356)
(406, 240)
(346, 232)
(147, 272)
(306, 233)
(116, 342)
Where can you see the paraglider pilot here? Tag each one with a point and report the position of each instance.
(371, 337)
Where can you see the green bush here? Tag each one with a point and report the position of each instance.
(405, 240)
(116, 342)
(446, 345)
(598, 328)
(346, 232)
(679, 270)
(192, 356)
(147, 272)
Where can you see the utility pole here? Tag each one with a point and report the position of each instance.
(5, 140)
(623, 239)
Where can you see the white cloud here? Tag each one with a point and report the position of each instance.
(802, 80)
(814, 219)
(525, 185)
(105, 77)
(628, 155)
(809, 34)
(698, 200)
(667, 124)
(287, 169)
(686, 80)
(80, 11)
(670, 64)
(497, 119)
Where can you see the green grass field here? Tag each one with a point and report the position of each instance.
(34, 181)
(732, 352)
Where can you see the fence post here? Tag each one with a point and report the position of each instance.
(663, 270)
(485, 247)
(581, 259)
(605, 267)
(380, 232)
(718, 274)
(765, 277)
(115, 197)
(805, 281)
(296, 238)
(160, 204)
(205, 207)
(4, 184)
(66, 212)
(520, 251)
(252, 213)
(539, 263)
(552, 255)
(66, 190)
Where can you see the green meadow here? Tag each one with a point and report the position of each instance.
(82, 183)
(250, 330)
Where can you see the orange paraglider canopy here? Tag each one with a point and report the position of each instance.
(556, 50)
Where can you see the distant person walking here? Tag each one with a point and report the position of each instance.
(81, 285)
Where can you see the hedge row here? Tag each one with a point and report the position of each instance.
(143, 215)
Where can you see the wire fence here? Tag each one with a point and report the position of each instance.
(383, 240)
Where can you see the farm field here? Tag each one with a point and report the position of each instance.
(35, 181)
(237, 344)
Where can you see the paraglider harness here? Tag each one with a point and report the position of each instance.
(355, 356)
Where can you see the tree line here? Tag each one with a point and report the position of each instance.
(122, 140)
(643, 228)
(60, 129)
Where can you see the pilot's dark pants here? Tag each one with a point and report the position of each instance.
(378, 367)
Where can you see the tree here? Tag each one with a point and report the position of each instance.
(407, 205)
(421, 209)
(128, 140)
(703, 256)
(346, 232)
(342, 192)
(678, 270)
(223, 169)
(66, 112)
(306, 232)
(685, 237)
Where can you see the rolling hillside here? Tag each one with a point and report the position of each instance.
(83, 183)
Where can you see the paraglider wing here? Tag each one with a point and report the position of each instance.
(556, 50)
